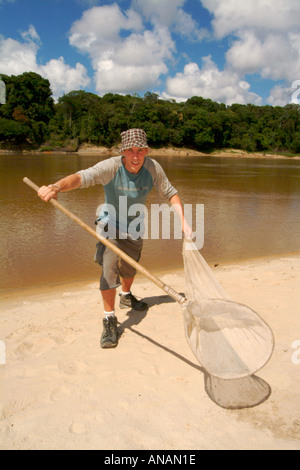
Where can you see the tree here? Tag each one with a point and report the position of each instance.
(29, 100)
(295, 145)
(12, 130)
(30, 114)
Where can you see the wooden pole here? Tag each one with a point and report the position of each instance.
(167, 289)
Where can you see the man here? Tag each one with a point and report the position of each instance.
(132, 176)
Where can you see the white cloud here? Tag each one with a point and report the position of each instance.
(209, 82)
(165, 12)
(281, 95)
(276, 57)
(16, 57)
(126, 58)
(100, 27)
(267, 38)
(19, 57)
(130, 50)
(261, 16)
(170, 13)
(31, 35)
(64, 78)
(187, 26)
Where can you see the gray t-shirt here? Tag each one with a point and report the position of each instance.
(119, 183)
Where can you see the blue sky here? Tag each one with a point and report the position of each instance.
(227, 50)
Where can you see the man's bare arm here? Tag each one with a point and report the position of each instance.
(65, 184)
(176, 203)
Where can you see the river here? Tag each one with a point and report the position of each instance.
(251, 209)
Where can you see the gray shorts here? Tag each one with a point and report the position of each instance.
(114, 267)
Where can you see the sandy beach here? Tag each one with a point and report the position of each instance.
(59, 390)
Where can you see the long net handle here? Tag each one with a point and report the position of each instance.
(167, 289)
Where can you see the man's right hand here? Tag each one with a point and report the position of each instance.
(48, 192)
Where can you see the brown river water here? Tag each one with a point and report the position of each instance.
(251, 209)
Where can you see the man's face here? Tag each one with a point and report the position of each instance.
(134, 159)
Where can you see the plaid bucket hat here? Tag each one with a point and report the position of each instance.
(134, 138)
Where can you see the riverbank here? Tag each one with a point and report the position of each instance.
(185, 152)
(86, 149)
(61, 391)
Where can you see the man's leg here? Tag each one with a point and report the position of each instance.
(114, 273)
(127, 300)
(108, 282)
(126, 284)
(108, 297)
(109, 337)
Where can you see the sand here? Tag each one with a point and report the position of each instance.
(88, 149)
(60, 391)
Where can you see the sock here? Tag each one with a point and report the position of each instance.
(125, 293)
(109, 314)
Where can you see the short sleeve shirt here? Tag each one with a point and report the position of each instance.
(123, 189)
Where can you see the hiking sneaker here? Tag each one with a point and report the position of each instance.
(109, 337)
(129, 301)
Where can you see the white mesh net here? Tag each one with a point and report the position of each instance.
(229, 339)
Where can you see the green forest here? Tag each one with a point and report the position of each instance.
(31, 119)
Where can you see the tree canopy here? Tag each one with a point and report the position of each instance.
(28, 109)
(82, 117)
